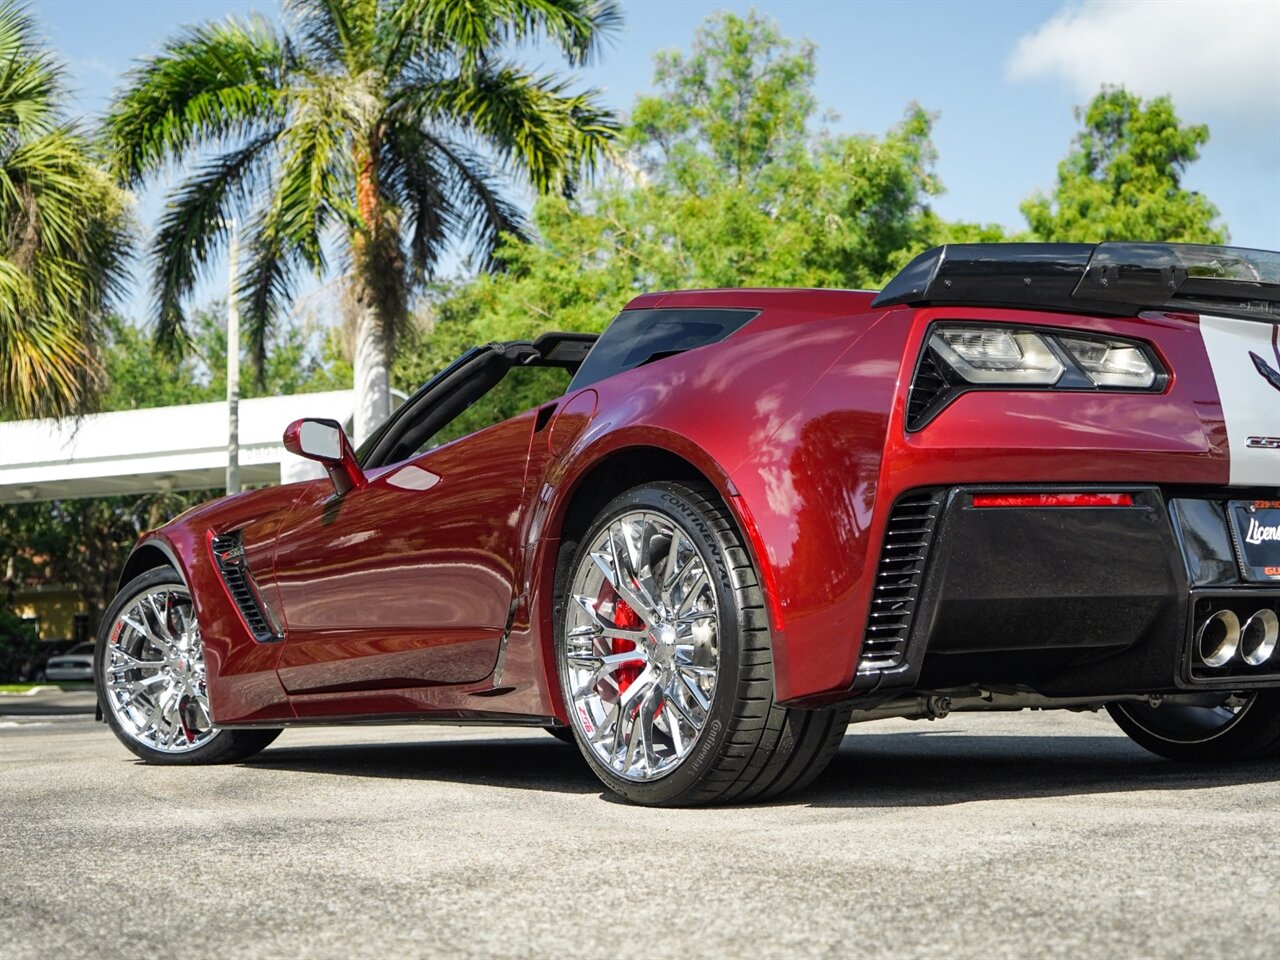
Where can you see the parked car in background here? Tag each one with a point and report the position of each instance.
(33, 669)
(75, 664)
(1039, 476)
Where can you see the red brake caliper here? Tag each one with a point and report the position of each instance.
(624, 618)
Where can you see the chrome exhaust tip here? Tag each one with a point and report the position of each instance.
(1258, 637)
(1218, 638)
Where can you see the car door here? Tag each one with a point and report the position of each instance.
(408, 580)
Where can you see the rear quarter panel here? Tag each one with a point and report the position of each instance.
(800, 424)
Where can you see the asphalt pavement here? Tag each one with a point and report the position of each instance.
(48, 701)
(1024, 835)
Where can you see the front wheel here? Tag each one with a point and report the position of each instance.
(149, 674)
(662, 644)
(1239, 727)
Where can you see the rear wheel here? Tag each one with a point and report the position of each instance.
(149, 673)
(665, 664)
(1239, 727)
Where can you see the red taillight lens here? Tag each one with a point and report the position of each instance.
(1053, 500)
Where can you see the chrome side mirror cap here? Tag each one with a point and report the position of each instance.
(326, 442)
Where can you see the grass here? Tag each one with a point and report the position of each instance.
(63, 685)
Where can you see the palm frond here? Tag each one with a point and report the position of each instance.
(474, 31)
(315, 181)
(63, 236)
(481, 209)
(266, 283)
(194, 224)
(533, 122)
(416, 182)
(214, 83)
(336, 31)
(30, 78)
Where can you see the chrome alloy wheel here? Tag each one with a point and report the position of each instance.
(154, 674)
(641, 645)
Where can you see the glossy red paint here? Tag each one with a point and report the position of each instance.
(392, 585)
(243, 685)
(436, 596)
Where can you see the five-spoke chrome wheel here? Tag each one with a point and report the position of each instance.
(642, 645)
(153, 672)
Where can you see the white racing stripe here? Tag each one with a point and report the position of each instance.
(1250, 402)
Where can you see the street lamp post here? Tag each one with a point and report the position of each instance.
(233, 367)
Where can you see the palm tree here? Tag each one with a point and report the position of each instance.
(63, 238)
(383, 125)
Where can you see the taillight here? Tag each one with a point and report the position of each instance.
(1053, 500)
(963, 357)
(998, 355)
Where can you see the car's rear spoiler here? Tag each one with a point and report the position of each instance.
(1111, 278)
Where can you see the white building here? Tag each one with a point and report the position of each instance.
(159, 449)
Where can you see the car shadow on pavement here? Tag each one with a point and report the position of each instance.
(871, 770)
(526, 764)
(937, 769)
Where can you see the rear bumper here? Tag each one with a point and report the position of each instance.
(1070, 601)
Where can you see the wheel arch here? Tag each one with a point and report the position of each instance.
(597, 479)
(148, 555)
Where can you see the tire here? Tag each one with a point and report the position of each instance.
(1205, 734)
(706, 632)
(148, 671)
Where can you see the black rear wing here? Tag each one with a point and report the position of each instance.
(1110, 278)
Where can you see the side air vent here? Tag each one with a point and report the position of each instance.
(228, 554)
(907, 538)
(928, 388)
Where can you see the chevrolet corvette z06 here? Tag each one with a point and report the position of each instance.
(1020, 476)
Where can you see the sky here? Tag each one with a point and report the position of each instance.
(1002, 77)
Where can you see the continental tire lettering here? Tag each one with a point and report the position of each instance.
(709, 738)
(687, 512)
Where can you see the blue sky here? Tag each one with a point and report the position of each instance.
(1002, 76)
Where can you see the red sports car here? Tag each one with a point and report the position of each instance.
(1022, 476)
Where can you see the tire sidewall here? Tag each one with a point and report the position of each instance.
(160, 576)
(671, 501)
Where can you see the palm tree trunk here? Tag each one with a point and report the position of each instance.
(372, 383)
(371, 360)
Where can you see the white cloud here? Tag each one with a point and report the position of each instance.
(1217, 58)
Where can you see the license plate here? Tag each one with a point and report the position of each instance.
(1256, 528)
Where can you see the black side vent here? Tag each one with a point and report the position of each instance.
(907, 538)
(928, 387)
(228, 554)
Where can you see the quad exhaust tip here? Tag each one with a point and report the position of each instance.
(1221, 638)
(1258, 637)
(1218, 638)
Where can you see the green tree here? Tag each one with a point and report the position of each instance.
(724, 183)
(81, 544)
(137, 374)
(372, 120)
(1122, 179)
(63, 235)
(18, 645)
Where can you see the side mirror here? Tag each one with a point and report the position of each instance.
(325, 442)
